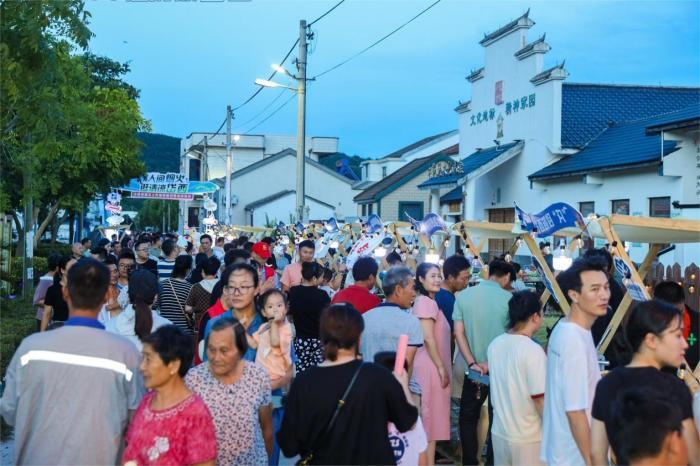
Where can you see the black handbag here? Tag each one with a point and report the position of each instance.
(306, 460)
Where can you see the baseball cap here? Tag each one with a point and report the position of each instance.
(262, 249)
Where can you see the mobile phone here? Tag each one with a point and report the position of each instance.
(475, 376)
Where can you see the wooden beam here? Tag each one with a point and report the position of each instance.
(545, 297)
(624, 305)
(535, 251)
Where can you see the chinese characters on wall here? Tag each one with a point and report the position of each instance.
(512, 106)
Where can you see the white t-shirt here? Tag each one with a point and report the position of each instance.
(408, 446)
(124, 323)
(517, 368)
(572, 374)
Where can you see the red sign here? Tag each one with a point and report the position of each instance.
(499, 92)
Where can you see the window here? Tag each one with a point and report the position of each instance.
(370, 208)
(621, 206)
(586, 208)
(384, 172)
(195, 166)
(364, 209)
(414, 209)
(499, 247)
(660, 207)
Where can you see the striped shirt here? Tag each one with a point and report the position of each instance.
(172, 298)
(165, 268)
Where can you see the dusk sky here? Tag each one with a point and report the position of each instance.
(191, 59)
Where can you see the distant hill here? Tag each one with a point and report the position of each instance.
(160, 153)
(354, 162)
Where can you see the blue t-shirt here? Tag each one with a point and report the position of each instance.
(252, 328)
(446, 302)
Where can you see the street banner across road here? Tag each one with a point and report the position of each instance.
(552, 219)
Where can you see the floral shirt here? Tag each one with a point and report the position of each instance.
(234, 409)
(181, 434)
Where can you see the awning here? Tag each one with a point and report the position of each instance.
(475, 165)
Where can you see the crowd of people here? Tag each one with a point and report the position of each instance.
(156, 350)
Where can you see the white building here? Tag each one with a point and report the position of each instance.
(527, 136)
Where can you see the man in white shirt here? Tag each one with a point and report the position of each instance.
(572, 366)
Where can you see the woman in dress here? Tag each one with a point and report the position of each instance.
(174, 292)
(654, 331)
(306, 302)
(138, 320)
(237, 393)
(432, 364)
(374, 399)
(172, 425)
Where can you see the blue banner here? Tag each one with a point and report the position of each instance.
(374, 224)
(331, 225)
(432, 223)
(552, 219)
(299, 226)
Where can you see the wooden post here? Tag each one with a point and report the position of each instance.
(535, 251)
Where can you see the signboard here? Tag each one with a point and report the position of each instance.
(154, 182)
(170, 196)
(173, 186)
(552, 219)
(364, 247)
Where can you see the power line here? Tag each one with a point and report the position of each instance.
(250, 120)
(377, 42)
(291, 49)
(324, 14)
(271, 114)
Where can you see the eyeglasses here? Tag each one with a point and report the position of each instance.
(237, 290)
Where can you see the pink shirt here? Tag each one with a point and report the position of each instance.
(181, 434)
(292, 275)
(275, 360)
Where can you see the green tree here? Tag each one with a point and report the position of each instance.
(155, 213)
(68, 121)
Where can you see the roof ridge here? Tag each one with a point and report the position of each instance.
(649, 86)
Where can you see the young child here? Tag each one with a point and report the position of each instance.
(410, 447)
(273, 340)
(326, 282)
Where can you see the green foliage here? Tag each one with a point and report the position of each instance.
(160, 153)
(18, 321)
(152, 213)
(45, 250)
(14, 278)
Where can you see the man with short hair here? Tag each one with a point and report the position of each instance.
(292, 273)
(572, 366)
(205, 243)
(364, 273)
(70, 391)
(455, 272)
(479, 316)
(156, 251)
(392, 318)
(647, 430)
(77, 250)
(143, 258)
(674, 294)
(87, 245)
(167, 262)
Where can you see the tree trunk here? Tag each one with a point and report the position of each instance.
(42, 228)
(71, 227)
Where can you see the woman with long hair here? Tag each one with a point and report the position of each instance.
(138, 320)
(432, 364)
(174, 292)
(306, 301)
(316, 425)
(654, 332)
(55, 307)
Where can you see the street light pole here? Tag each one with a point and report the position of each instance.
(301, 122)
(229, 167)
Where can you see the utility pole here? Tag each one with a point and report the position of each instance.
(229, 167)
(301, 123)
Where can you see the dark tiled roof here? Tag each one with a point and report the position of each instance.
(469, 164)
(502, 31)
(399, 178)
(531, 46)
(689, 116)
(587, 109)
(555, 72)
(620, 146)
(452, 196)
(272, 197)
(397, 154)
(475, 74)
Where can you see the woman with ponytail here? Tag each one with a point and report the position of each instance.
(316, 425)
(138, 320)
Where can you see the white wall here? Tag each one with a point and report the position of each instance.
(280, 209)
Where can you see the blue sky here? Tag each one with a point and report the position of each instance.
(191, 59)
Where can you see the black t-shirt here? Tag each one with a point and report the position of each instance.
(150, 265)
(359, 435)
(305, 306)
(667, 386)
(54, 298)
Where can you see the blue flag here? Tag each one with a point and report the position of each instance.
(432, 223)
(299, 226)
(332, 224)
(550, 220)
(374, 224)
(415, 223)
